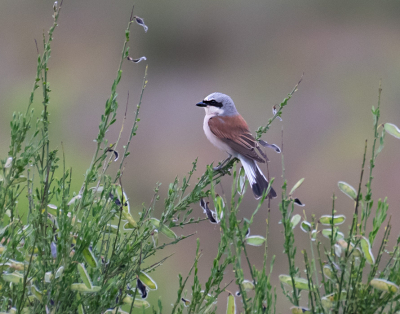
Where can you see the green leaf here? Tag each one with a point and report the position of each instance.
(392, 130)
(348, 190)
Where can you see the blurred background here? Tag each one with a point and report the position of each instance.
(254, 51)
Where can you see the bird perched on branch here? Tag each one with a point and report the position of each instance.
(227, 130)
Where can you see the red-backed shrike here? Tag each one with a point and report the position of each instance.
(227, 130)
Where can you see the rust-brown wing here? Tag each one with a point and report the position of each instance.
(234, 131)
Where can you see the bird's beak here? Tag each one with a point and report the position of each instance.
(201, 104)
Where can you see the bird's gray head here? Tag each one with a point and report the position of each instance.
(218, 104)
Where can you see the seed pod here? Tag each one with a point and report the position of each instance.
(8, 162)
(314, 235)
(299, 283)
(59, 271)
(135, 61)
(366, 249)
(392, 129)
(16, 265)
(111, 229)
(384, 285)
(305, 226)
(327, 233)
(81, 287)
(241, 183)
(299, 310)
(14, 277)
(209, 297)
(74, 199)
(255, 240)
(295, 220)
(48, 277)
(247, 285)
(338, 250)
(210, 214)
(328, 272)
(186, 302)
(219, 207)
(343, 244)
(84, 276)
(296, 186)
(327, 220)
(89, 257)
(231, 307)
(165, 230)
(37, 293)
(348, 190)
(142, 288)
(139, 303)
(114, 310)
(140, 22)
(147, 281)
(328, 300)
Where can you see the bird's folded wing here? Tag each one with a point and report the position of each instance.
(233, 130)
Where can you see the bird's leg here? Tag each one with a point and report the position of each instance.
(222, 163)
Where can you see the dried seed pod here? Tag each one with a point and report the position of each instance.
(136, 61)
(186, 302)
(140, 22)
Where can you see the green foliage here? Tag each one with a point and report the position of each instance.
(86, 252)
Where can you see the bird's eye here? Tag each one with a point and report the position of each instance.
(213, 102)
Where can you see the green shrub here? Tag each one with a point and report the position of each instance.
(84, 252)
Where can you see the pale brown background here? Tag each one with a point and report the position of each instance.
(255, 51)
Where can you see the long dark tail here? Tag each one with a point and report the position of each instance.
(256, 178)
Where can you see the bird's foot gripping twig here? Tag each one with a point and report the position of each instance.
(223, 163)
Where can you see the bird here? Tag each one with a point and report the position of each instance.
(226, 129)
